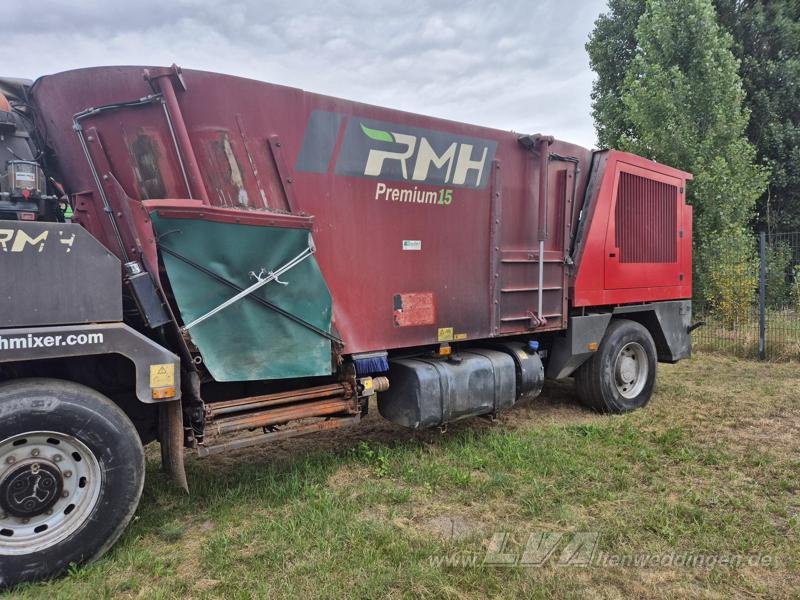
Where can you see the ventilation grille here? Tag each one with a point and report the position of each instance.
(646, 220)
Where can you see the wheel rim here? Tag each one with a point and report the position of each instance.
(631, 370)
(49, 486)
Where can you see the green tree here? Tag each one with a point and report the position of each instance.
(611, 48)
(680, 103)
(766, 37)
(779, 274)
(683, 99)
(766, 40)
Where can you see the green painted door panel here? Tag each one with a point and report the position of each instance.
(248, 341)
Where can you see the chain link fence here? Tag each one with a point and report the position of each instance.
(762, 319)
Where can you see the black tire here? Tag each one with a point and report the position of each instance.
(598, 382)
(89, 420)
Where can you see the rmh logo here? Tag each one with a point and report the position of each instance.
(458, 159)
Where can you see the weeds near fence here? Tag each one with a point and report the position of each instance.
(737, 332)
(741, 338)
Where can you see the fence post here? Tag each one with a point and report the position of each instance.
(762, 296)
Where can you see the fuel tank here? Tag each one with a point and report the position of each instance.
(427, 392)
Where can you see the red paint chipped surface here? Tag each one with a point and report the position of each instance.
(414, 309)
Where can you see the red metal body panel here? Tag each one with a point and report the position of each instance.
(600, 277)
(450, 240)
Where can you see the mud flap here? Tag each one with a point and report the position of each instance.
(170, 435)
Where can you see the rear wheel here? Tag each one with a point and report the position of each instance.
(620, 376)
(71, 474)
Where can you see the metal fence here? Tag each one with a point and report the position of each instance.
(765, 319)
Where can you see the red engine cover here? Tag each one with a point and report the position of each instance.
(637, 246)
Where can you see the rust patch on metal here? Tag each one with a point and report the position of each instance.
(282, 171)
(281, 434)
(225, 172)
(414, 308)
(215, 409)
(252, 162)
(283, 414)
(145, 157)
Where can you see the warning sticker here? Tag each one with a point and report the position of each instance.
(445, 334)
(415, 308)
(162, 375)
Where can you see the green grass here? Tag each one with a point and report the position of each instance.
(710, 467)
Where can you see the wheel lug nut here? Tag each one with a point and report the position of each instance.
(64, 494)
(68, 474)
(34, 453)
(49, 511)
(25, 521)
(58, 458)
(11, 460)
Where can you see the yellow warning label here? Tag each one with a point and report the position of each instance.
(162, 375)
(368, 384)
(460, 336)
(445, 334)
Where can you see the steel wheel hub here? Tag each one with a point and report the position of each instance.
(49, 486)
(31, 489)
(631, 370)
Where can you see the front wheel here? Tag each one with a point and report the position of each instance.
(621, 375)
(71, 474)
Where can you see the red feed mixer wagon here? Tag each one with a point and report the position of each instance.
(213, 262)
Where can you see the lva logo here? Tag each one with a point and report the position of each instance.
(394, 152)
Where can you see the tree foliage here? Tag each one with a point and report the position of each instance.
(766, 40)
(611, 48)
(680, 102)
(683, 98)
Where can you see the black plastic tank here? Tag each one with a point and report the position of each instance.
(426, 392)
(528, 363)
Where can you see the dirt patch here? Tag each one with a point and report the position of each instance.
(350, 476)
(444, 525)
(190, 555)
(451, 527)
(781, 431)
(556, 405)
(204, 584)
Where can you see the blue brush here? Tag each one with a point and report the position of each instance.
(371, 362)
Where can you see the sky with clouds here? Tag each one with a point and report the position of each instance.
(512, 64)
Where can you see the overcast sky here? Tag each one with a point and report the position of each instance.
(518, 65)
